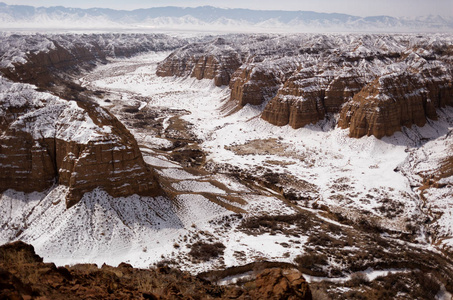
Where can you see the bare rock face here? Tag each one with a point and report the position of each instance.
(308, 77)
(300, 102)
(49, 61)
(396, 100)
(214, 60)
(24, 275)
(341, 90)
(282, 284)
(252, 85)
(41, 66)
(257, 82)
(46, 140)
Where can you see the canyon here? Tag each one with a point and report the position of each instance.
(326, 154)
(377, 85)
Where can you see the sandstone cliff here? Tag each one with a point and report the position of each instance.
(251, 85)
(307, 77)
(51, 61)
(396, 100)
(46, 140)
(257, 82)
(299, 102)
(214, 60)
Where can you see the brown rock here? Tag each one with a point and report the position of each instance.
(212, 60)
(300, 102)
(341, 89)
(44, 145)
(19, 252)
(41, 66)
(253, 85)
(282, 284)
(21, 278)
(393, 101)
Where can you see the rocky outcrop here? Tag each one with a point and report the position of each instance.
(46, 140)
(257, 82)
(24, 275)
(396, 100)
(300, 102)
(48, 61)
(213, 60)
(282, 284)
(309, 77)
(41, 67)
(253, 85)
(341, 90)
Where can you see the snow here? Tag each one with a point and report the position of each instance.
(175, 173)
(216, 19)
(197, 187)
(47, 116)
(346, 174)
(319, 156)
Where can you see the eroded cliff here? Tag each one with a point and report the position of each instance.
(398, 99)
(216, 60)
(378, 83)
(46, 140)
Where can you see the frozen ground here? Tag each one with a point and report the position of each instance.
(355, 177)
(354, 174)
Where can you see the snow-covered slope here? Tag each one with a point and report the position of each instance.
(216, 19)
(19, 48)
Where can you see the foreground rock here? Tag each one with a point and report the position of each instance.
(46, 140)
(23, 275)
(281, 284)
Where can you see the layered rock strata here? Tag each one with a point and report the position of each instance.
(46, 140)
(396, 100)
(377, 83)
(216, 61)
(250, 85)
(258, 82)
(24, 275)
(299, 102)
(48, 61)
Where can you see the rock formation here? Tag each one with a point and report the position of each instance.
(214, 60)
(377, 83)
(49, 61)
(46, 140)
(282, 284)
(251, 85)
(24, 275)
(258, 82)
(396, 100)
(299, 102)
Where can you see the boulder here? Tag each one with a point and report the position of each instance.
(279, 283)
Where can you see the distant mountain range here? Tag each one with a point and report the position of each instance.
(208, 18)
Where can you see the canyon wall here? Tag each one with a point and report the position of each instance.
(46, 140)
(375, 83)
(218, 61)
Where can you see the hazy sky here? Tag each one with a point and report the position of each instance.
(396, 8)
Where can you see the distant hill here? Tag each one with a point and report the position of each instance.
(208, 18)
